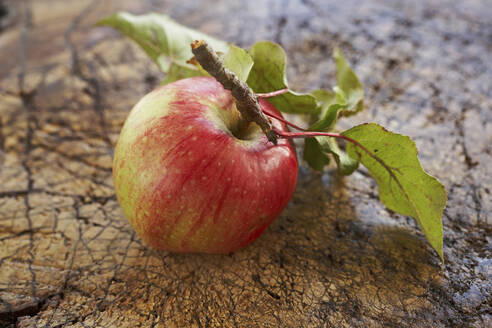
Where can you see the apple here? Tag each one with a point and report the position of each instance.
(189, 178)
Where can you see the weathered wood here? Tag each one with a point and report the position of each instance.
(335, 257)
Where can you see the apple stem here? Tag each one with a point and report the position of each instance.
(310, 134)
(246, 101)
(273, 93)
(275, 116)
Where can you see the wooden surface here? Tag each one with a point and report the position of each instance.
(335, 258)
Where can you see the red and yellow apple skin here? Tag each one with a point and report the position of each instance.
(186, 183)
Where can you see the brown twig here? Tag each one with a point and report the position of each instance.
(246, 100)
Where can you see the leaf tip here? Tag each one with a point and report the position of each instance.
(337, 53)
(107, 21)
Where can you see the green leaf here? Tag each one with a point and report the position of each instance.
(268, 74)
(330, 104)
(346, 164)
(314, 155)
(164, 40)
(347, 98)
(349, 84)
(327, 122)
(239, 62)
(177, 72)
(404, 187)
(325, 99)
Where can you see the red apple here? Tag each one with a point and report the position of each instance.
(189, 180)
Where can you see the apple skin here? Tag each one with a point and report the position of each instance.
(186, 183)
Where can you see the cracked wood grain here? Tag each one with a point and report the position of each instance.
(335, 257)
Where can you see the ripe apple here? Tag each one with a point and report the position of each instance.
(190, 180)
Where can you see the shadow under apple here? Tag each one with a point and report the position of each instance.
(318, 260)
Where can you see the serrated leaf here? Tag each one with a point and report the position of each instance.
(268, 74)
(349, 84)
(164, 40)
(239, 62)
(314, 155)
(404, 186)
